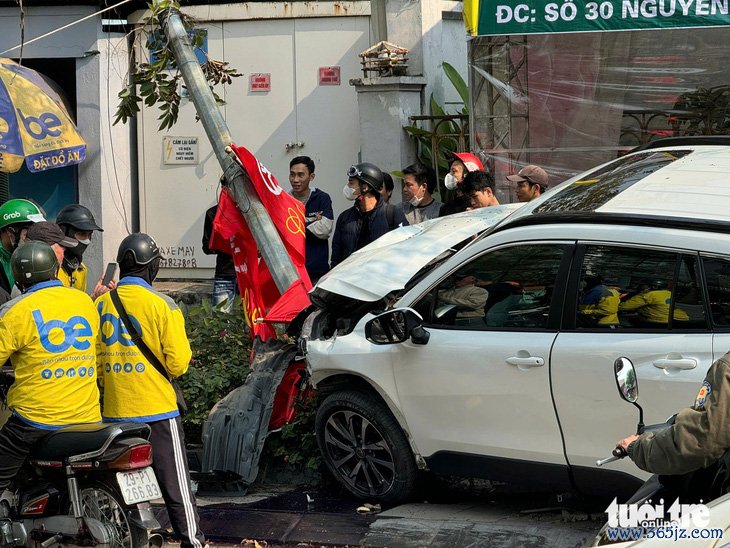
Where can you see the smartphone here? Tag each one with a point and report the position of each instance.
(111, 269)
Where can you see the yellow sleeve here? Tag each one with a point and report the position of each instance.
(175, 344)
(8, 342)
(637, 301)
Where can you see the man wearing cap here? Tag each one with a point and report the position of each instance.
(531, 181)
(51, 234)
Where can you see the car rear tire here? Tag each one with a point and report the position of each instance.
(365, 448)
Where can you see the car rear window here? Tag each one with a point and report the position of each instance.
(598, 187)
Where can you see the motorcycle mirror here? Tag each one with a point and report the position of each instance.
(626, 381)
(628, 386)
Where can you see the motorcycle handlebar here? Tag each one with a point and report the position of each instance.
(617, 454)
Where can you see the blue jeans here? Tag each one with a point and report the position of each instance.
(224, 290)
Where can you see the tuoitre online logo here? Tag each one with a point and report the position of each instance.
(655, 515)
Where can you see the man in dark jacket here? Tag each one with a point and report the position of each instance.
(369, 218)
(318, 215)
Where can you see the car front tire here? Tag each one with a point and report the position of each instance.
(365, 448)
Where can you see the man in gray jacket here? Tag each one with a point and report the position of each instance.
(419, 183)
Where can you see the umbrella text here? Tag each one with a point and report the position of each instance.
(59, 158)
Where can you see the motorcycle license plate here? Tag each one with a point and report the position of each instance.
(138, 485)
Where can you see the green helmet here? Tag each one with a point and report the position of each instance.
(33, 262)
(19, 210)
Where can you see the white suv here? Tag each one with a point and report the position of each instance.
(482, 347)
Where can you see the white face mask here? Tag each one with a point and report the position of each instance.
(416, 200)
(349, 192)
(85, 242)
(450, 181)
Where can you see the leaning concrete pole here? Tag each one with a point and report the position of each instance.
(267, 238)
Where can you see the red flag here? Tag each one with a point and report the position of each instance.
(232, 235)
(255, 283)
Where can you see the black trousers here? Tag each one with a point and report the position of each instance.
(16, 440)
(170, 464)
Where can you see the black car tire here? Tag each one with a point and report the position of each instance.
(365, 448)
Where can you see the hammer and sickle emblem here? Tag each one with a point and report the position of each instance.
(295, 222)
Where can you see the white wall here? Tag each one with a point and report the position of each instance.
(323, 120)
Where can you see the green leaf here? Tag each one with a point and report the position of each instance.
(436, 109)
(458, 82)
(415, 130)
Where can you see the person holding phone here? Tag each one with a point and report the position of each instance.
(134, 389)
(77, 222)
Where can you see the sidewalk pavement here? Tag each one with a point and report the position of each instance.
(280, 517)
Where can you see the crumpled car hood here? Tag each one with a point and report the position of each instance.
(387, 264)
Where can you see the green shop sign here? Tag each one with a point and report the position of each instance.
(501, 17)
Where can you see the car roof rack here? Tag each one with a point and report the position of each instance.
(687, 140)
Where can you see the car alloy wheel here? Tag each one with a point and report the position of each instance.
(364, 447)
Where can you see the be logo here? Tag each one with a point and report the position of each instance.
(41, 127)
(58, 336)
(113, 330)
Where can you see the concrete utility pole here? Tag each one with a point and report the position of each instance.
(267, 238)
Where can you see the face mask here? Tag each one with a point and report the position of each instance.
(416, 200)
(450, 181)
(77, 252)
(349, 193)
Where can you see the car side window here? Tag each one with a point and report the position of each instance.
(717, 274)
(629, 288)
(506, 288)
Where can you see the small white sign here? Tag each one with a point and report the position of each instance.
(180, 150)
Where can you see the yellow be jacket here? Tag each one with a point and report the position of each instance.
(77, 278)
(49, 333)
(653, 306)
(133, 389)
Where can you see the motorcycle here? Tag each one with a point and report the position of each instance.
(85, 485)
(696, 486)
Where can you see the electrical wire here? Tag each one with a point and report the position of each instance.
(120, 194)
(71, 24)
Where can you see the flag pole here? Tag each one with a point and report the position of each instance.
(269, 243)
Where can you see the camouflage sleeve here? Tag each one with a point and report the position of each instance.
(700, 434)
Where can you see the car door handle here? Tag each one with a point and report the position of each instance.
(679, 363)
(532, 361)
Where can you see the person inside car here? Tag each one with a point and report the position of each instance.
(652, 305)
(598, 303)
(469, 298)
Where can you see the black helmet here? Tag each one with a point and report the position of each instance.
(78, 217)
(367, 173)
(33, 262)
(141, 247)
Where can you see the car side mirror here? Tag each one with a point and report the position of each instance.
(396, 326)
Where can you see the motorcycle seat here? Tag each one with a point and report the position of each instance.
(84, 438)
